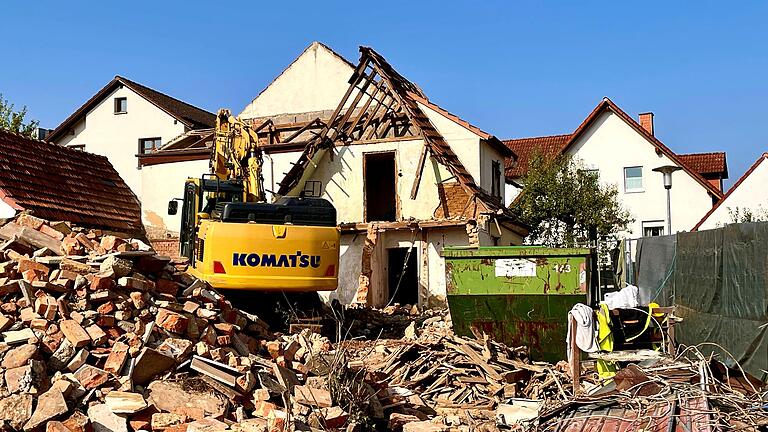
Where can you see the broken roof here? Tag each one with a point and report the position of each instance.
(707, 164)
(59, 183)
(385, 99)
(606, 105)
(189, 115)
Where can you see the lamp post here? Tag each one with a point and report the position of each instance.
(667, 171)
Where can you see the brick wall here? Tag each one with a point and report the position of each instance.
(167, 246)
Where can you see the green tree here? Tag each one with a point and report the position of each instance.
(566, 204)
(14, 121)
(746, 214)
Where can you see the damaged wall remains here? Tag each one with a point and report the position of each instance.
(364, 265)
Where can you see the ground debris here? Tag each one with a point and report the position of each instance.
(95, 323)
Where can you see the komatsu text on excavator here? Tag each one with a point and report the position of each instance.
(235, 239)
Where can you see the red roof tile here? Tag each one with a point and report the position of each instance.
(59, 183)
(525, 148)
(706, 164)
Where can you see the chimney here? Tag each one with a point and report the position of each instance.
(646, 121)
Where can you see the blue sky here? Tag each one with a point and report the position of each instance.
(513, 68)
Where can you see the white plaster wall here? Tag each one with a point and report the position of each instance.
(116, 136)
(315, 81)
(6, 211)
(489, 231)
(342, 179)
(351, 252)
(511, 191)
(488, 155)
(438, 239)
(434, 273)
(162, 183)
(751, 194)
(464, 143)
(610, 145)
(274, 169)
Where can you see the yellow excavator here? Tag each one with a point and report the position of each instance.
(235, 239)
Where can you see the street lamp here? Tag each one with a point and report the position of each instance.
(667, 171)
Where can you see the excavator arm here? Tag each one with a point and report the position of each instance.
(237, 155)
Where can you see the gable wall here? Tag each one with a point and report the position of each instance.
(316, 81)
(116, 136)
(751, 194)
(610, 145)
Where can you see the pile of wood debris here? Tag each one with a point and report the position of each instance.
(433, 380)
(690, 392)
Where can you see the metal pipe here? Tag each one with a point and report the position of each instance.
(669, 211)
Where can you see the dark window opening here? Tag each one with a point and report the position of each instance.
(149, 145)
(496, 179)
(653, 231)
(121, 105)
(402, 276)
(380, 187)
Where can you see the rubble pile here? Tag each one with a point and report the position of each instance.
(99, 332)
(432, 379)
(691, 392)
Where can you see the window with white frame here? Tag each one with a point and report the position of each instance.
(633, 179)
(653, 228)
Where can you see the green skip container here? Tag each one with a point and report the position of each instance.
(518, 295)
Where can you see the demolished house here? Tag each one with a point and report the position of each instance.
(402, 191)
(407, 177)
(63, 184)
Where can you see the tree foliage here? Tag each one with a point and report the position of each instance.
(14, 121)
(746, 214)
(566, 204)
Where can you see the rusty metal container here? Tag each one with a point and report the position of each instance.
(518, 295)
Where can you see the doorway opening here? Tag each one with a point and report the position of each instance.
(380, 187)
(402, 276)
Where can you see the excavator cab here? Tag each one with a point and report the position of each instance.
(201, 195)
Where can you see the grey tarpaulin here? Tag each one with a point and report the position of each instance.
(720, 288)
(655, 260)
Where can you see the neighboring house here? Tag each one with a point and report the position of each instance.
(125, 119)
(184, 156)
(407, 177)
(748, 194)
(623, 152)
(88, 190)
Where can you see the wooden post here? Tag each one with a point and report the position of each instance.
(575, 355)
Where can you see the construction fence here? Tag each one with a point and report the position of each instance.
(718, 280)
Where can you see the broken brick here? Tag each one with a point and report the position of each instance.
(74, 333)
(172, 321)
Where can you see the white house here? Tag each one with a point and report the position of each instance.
(624, 152)
(748, 194)
(126, 119)
(406, 176)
